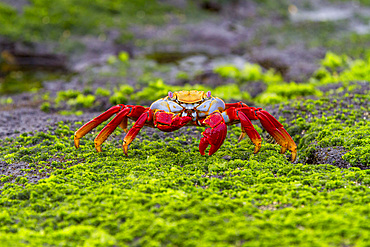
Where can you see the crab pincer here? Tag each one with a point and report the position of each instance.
(215, 135)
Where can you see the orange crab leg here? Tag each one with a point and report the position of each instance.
(291, 144)
(132, 133)
(273, 131)
(235, 105)
(273, 127)
(214, 135)
(233, 114)
(86, 128)
(110, 127)
(247, 128)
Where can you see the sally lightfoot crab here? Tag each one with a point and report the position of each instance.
(195, 108)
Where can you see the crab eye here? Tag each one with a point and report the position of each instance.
(170, 94)
(208, 94)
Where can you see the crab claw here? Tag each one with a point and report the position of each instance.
(168, 121)
(214, 135)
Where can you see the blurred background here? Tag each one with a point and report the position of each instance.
(76, 56)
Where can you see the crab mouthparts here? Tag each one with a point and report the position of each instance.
(190, 113)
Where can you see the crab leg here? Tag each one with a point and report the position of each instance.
(273, 127)
(246, 126)
(214, 135)
(110, 127)
(86, 128)
(273, 131)
(280, 128)
(132, 133)
(235, 105)
(168, 121)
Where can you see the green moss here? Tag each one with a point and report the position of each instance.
(66, 95)
(6, 100)
(166, 193)
(40, 20)
(18, 81)
(229, 71)
(342, 69)
(249, 73)
(124, 57)
(341, 124)
(230, 91)
(102, 92)
(122, 95)
(333, 61)
(281, 92)
(81, 100)
(68, 113)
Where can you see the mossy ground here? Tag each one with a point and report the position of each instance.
(166, 193)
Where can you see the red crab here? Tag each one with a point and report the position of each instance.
(195, 108)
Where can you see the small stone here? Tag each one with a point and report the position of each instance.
(227, 157)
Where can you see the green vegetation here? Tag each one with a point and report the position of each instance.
(18, 81)
(333, 122)
(6, 100)
(42, 19)
(165, 192)
(75, 99)
(362, 2)
(250, 72)
(334, 69)
(343, 69)
(122, 95)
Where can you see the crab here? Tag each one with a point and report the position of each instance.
(196, 108)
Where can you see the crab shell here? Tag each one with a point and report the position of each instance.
(195, 104)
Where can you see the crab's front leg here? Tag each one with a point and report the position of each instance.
(165, 121)
(215, 135)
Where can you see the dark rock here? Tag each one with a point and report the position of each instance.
(212, 79)
(294, 63)
(254, 88)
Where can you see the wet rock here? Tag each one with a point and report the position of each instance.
(17, 121)
(14, 61)
(210, 78)
(254, 88)
(323, 14)
(332, 156)
(294, 63)
(329, 155)
(18, 4)
(212, 6)
(17, 56)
